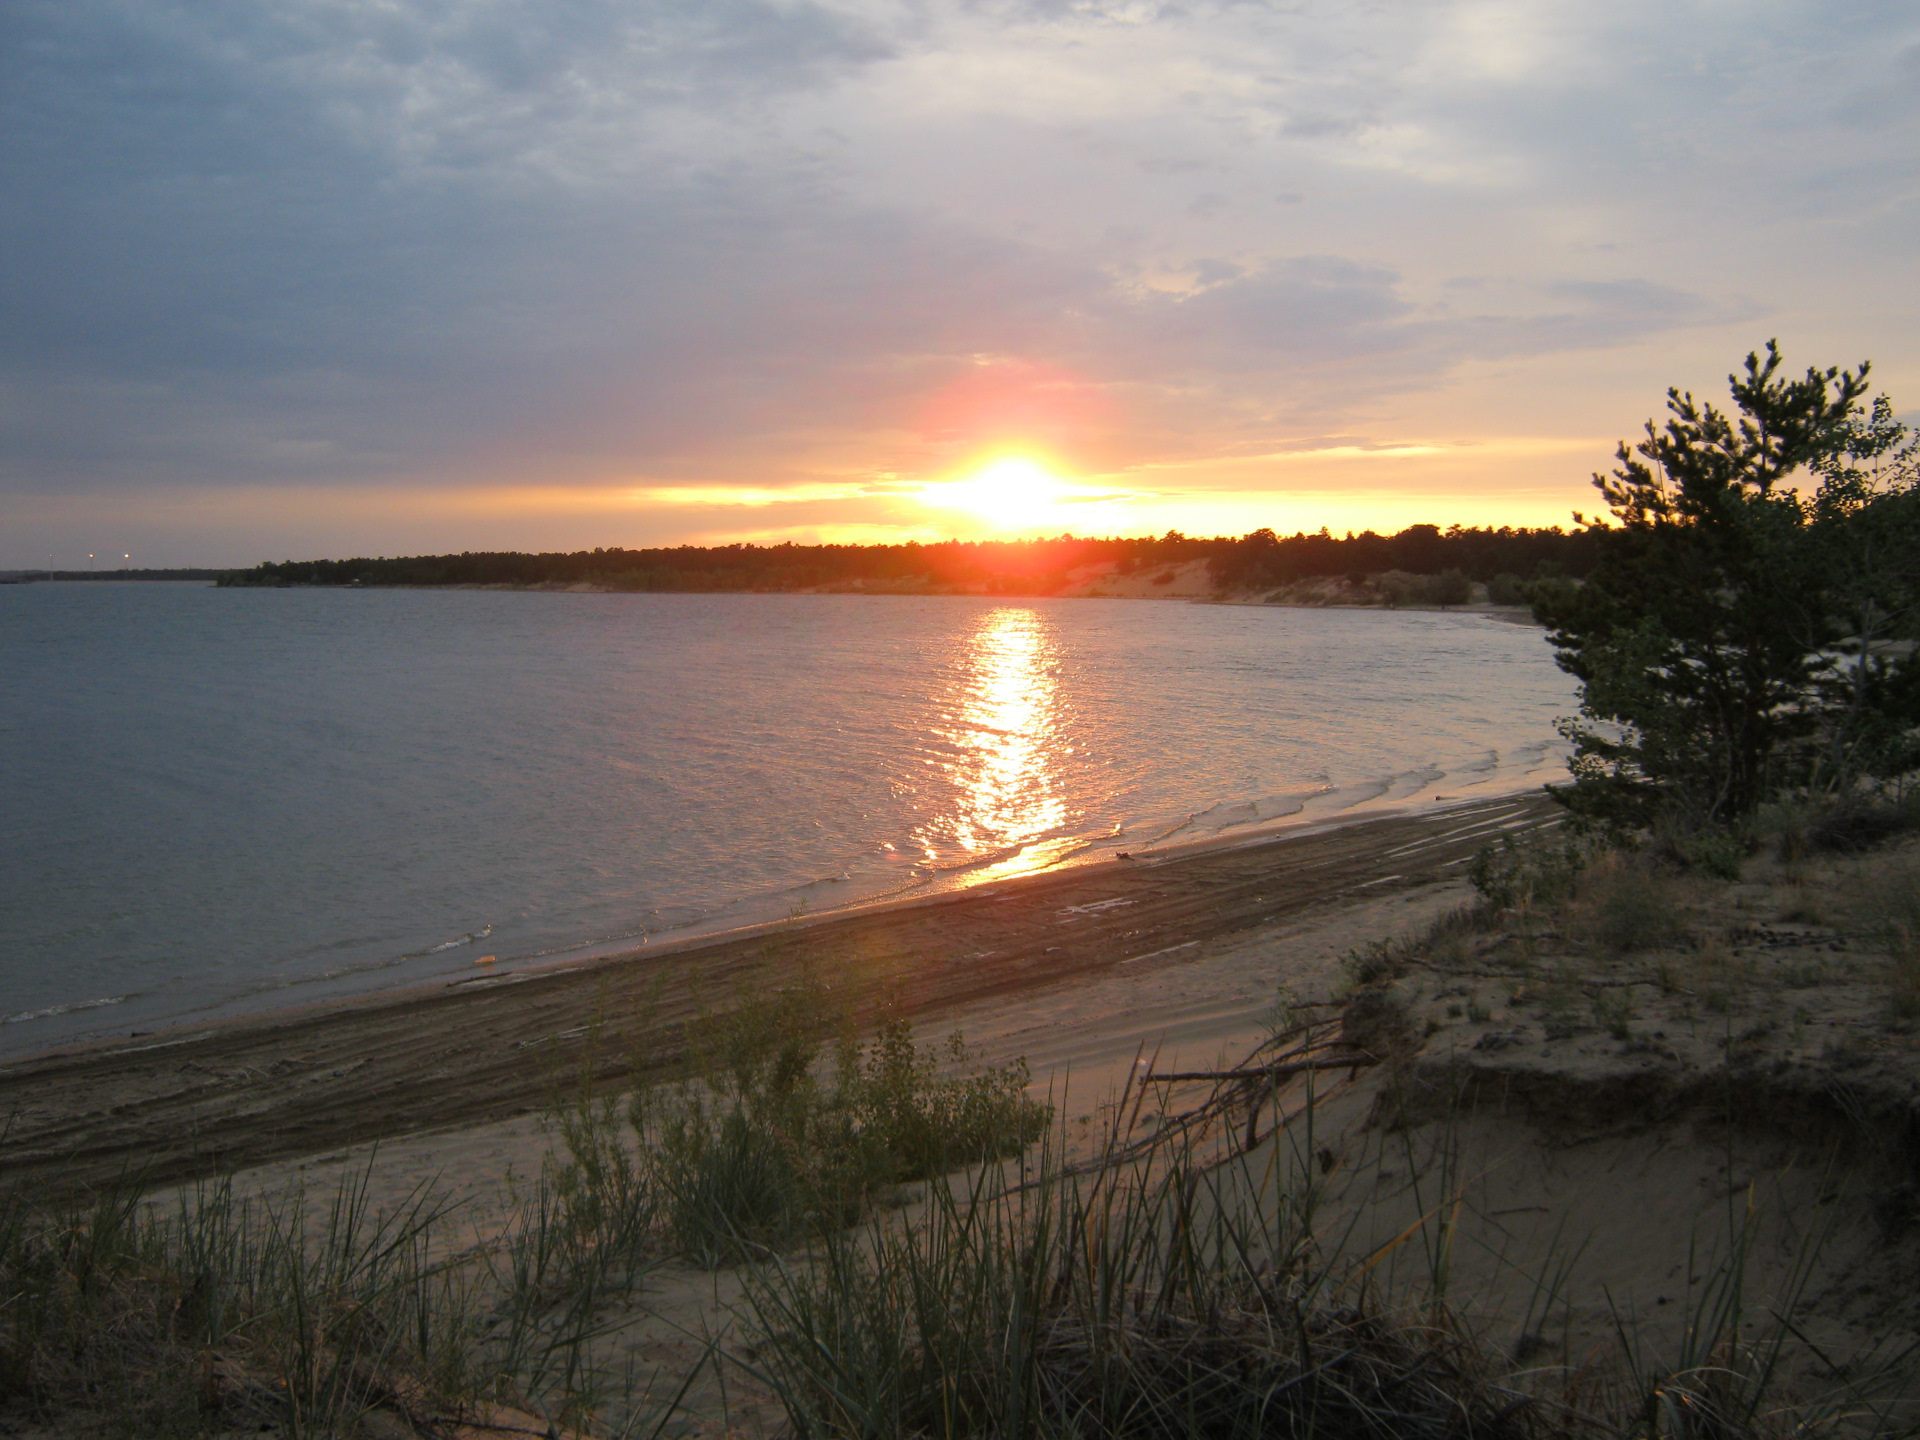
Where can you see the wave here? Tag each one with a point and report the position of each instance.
(49, 1011)
(472, 935)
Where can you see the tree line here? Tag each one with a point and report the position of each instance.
(1257, 562)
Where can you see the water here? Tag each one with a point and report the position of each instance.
(219, 799)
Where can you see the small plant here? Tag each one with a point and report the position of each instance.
(1622, 906)
(778, 1141)
(1903, 981)
(1366, 966)
(1613, 1011)
(1803, 975)
(1540, 870)
(1286, 1015)
(1561, 1009)
(1803, 907)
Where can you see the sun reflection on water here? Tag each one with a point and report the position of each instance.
(1002, 734)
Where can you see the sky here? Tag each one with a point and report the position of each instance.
(341, 277)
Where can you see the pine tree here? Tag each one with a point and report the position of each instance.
(1702, 634)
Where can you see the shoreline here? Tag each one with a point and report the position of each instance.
(1077, 853)
(277, 1085)
(1256, 599)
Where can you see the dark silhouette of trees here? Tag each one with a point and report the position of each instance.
(1252, 564)
(1730, 639)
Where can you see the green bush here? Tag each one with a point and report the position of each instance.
(1620, 906)
(1539, 869)
(1507, 589)
(779, 1140)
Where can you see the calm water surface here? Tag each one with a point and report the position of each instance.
(221, 799)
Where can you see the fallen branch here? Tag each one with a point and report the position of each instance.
(1268, 1072)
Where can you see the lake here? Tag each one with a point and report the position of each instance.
(218, 800)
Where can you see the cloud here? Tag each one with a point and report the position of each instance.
(752, 243)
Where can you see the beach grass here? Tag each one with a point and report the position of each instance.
(1173, 1293)
(204, 1311)
(922, 1252)
(793, 1125)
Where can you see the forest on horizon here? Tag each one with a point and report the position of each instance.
(1258, 561)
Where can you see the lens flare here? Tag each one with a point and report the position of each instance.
(1010, 494)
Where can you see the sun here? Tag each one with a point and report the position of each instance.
(1011, 493)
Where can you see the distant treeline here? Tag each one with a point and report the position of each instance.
(1260, 561)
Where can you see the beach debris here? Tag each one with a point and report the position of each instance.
(485, 959)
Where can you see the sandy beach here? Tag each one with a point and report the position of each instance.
(172, 1105)
(1592, 1162)
(1607, 1122)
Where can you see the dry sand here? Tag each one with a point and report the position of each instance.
(1596, 1126)
(1593, 1165)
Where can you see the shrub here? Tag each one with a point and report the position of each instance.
(1539, 869)
(1860, 823)
(1620, 906)
(767, 1148)
(1709, 850)
(1449, 587)
(1151, 1301)
(1507, 589)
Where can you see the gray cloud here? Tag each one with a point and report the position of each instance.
(330, 241)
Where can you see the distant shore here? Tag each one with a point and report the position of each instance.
(245, 1092)
(1188, 583)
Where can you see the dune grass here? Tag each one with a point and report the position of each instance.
(207, 1312)
(221, 1313)
(794, 1125)
(1157, 1297)
(1167, 1293)
(1186, 1285)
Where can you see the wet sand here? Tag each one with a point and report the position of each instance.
(274, 1087)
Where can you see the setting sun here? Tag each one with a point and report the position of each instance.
(1009, 493)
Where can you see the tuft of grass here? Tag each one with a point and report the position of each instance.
(220, 1314)
(1613, 1011)
(1803, 907)
(781, 1140)
(1903, 979)
(1154, 1297)
(1162, 1294)
(1537, 871)
(1620, 906)
(1369, 965)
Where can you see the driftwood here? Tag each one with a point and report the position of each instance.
(1352, 1061)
